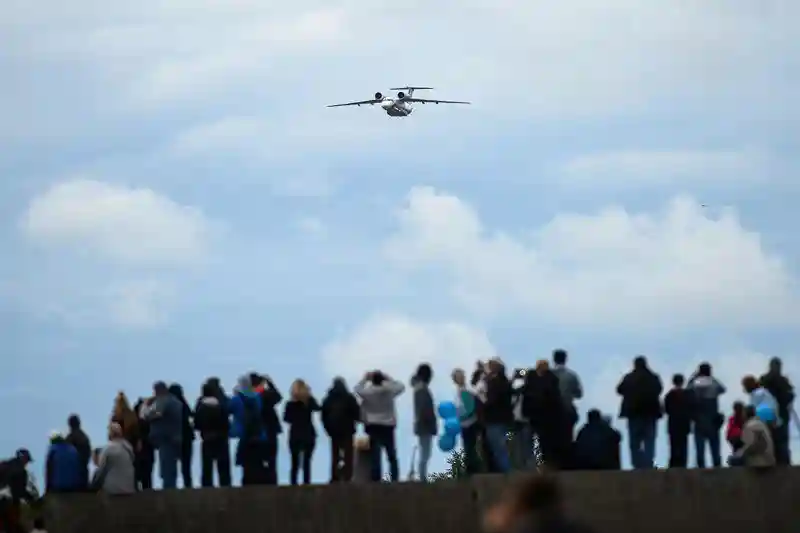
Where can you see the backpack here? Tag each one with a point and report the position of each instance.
(252, 424)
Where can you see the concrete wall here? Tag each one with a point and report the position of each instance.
(684, 501)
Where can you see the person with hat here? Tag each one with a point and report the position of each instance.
(14, 488)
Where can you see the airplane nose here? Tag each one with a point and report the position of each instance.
(386, 104)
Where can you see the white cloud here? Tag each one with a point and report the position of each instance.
(533, 57)
(312, 226)
(138, 304)
(637, 168)
(613, 270)
(134, 226)
(396, 344)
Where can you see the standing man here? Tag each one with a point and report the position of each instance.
(680, 410)
(78, 438)
(708, 421)
(248, 427)
(378, 393)
(164, 412)
(782, 390)
(641, 405)
(571, 390)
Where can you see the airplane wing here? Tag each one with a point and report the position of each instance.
(362, 102)
(426, 101)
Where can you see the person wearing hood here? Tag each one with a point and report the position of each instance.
(340, 414)
(211, 421)
(425, 423)
(78, 438)
(164, 413)
(708, 420)
(248, 428)
(378, 393)
(62, 469)
(116, 471)
(187, 438)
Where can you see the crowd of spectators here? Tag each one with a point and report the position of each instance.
(508, 420)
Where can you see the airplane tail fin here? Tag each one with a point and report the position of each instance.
(410, 89)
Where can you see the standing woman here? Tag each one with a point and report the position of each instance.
(298, 413)
(127, 420)
(187, 439)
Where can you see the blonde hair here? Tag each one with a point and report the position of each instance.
(124, 415)
(300, 390)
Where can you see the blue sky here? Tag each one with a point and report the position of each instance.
(178, 203)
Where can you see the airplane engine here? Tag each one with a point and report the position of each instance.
(378, 96)
(401, 95)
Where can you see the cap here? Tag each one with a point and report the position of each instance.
(23, 453)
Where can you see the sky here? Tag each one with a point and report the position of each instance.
(177, 202)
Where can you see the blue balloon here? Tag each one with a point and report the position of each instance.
(447, 443)
(452, 427)
(447, 410)
(766, 413)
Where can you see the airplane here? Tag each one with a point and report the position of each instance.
(402, 105)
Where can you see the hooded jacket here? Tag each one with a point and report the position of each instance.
(211, 418)
(245, 395)
(62, 471)
(340, 412)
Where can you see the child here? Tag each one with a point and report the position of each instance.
(733, 433)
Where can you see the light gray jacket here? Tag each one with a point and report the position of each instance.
(377, 401)
(115, 472)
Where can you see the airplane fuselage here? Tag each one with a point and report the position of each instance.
(396, 108)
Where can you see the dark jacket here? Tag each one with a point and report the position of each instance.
(425, 423)
(679, 408)
(597, 446)
(144, 426)
(498, 407)
(62, 469)
(641, 394)
(781, 388)
(299, 416)
(211, 418)
(340, 412)
(270, 398)
(187, 428)
(81, 442)
(14, 479)
(542, 403)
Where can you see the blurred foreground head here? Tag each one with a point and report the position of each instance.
(534, 498)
